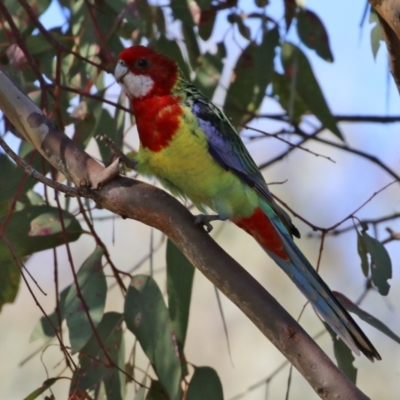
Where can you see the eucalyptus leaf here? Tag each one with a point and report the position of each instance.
(44, 329)
(376, 31)
(362, 252)
(298, 70)
(313, 34)
(147, 317)
(93, 288)
(381, 265)
(371, 320)
(94, 366)
(252, 73)
(26, 239)
(46, 385)
(205, 385)
(10, 278)
(343, 355)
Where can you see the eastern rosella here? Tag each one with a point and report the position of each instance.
(195, 151)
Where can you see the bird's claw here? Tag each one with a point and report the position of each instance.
(127, 161)
(204, 220)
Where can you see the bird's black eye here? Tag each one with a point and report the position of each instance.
(142, 63)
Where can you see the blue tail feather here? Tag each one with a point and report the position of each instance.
(320, 296)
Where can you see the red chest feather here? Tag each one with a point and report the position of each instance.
(158, 119)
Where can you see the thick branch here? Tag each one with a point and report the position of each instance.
(154, 207)
(388, 12)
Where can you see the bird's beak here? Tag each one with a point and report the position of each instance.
(120, 71)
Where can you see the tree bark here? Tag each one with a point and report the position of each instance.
(389, 13)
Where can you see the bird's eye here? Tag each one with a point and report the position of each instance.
(142, 63)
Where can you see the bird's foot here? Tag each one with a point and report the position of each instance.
(127, 161)
(204, 220)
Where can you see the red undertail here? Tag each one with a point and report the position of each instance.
(260, 227)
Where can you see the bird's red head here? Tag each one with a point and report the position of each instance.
(145, 73)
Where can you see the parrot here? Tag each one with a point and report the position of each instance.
(196, 153)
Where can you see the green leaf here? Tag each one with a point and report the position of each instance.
(290, 12)
(21, 18)
(208, 14)
(37, 392)
(180, 10)
(45, 224)
(313, 34)
(362, 252)
(93, 287)
(13, 181)
(147, 317)
(89, 116)
(208, 71)
(251, 76)
(113, 128)
(343, 355)
(381, 265)
(19, 228)
(160, 20)
(33, 158)
(376, 31)
(71, 72)
(204, 4)
(35, 199)
(43, 329)
(298, 70)
(192, 45)
(205, 385)
(10, 278)
(350, 306)
(116, 5)
(93, 32)
(170, 48)
(115, 383)
(157, 392)
(40, 45)
(140, 21)
(281, 91)
(93, 364)
(180, 272)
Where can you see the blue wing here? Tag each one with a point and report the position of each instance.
(227, 148)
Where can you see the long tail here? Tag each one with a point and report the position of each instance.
(273, 237)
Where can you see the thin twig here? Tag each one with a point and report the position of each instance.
(20, 265)
(372, 221)
(100, 243)
(22, 45)
(373, 159)
(292, 145)
(68, 190)
(333, 227)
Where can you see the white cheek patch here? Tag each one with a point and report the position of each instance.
(137, 85)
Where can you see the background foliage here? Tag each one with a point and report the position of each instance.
(256, 61)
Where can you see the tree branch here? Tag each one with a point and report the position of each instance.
(154, 207)
(388, 12)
